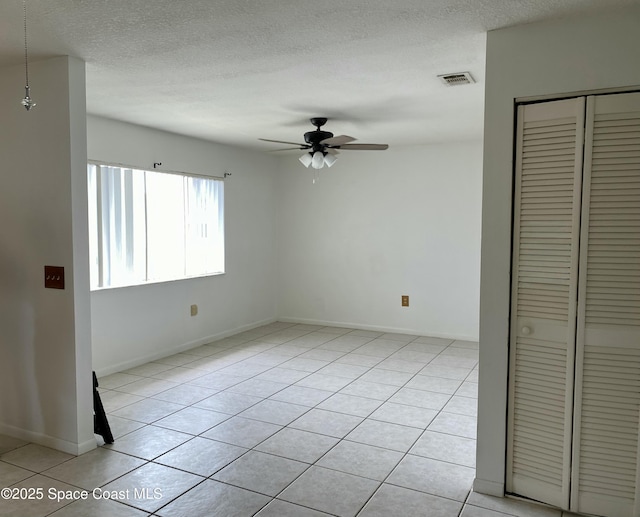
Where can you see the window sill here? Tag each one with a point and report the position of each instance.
(156, 282)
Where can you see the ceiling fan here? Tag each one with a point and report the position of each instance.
(323, 147)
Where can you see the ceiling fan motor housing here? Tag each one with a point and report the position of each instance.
(315, 137)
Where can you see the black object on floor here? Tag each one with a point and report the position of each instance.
(100, 423)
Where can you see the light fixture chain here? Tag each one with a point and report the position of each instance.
(26, 52)
(27, 102)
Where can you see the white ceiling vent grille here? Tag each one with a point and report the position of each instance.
(457, 79)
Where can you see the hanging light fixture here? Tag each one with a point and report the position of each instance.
(305, 159)
(27, 102)
(330, 159)
(317, 161)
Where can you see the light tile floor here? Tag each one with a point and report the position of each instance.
(283, 420)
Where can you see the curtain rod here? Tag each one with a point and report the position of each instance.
(180, 173)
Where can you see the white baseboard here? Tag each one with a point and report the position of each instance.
(48, 441)
(87, 446)
(137, 361)
(132, 363)
(484, 486)
(378, 328)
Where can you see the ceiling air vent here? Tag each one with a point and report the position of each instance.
(456, 79)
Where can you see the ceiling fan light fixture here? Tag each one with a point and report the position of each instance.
(322, 147)
(330, 159)
(306, 159)
(317, 162)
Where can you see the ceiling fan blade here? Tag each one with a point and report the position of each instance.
(302, 146)
(286, 149)
(337, 140)
(364, 147)
(330, 150)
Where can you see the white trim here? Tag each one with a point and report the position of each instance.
(378, 328)
(155, 282)
(125, 365)
(582, 93)
(488, 487)
(48, 441)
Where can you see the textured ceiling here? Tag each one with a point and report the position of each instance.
(232, 71)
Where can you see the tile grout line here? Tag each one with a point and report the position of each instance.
(255, 341)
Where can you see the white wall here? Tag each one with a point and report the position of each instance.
(379, 225)
(556, 57)
(133, 325)
(45, 365)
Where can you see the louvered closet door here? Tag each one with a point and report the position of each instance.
(605, 465)
(544, 293)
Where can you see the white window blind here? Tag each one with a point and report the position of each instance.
(149, 226)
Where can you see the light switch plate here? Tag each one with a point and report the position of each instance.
(54, 277)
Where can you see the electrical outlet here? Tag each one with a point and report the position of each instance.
(405, 300)
(194, 310)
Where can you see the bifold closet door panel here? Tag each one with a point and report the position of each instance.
(548, 175)
(605, 462)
